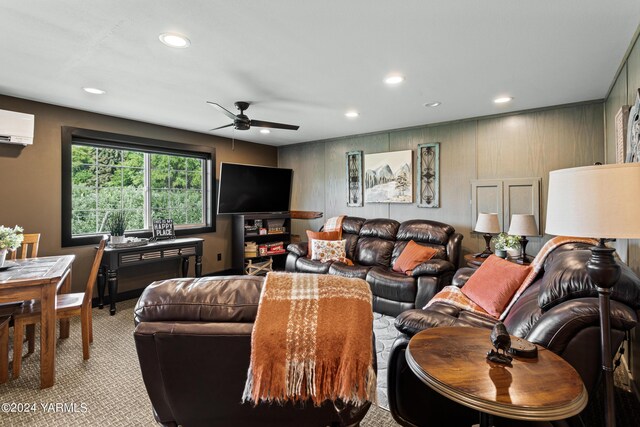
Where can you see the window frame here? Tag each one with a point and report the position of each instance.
(127, 142)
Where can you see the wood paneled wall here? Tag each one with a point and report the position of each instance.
(522, 145)
(624, 92)
(31, 185)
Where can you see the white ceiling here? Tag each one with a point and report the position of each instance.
(307, 63)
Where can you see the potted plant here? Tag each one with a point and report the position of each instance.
(10, 239)
(117, 225)
(503, 242)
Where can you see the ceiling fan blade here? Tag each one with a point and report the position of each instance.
(221, 127)
(223, 110)
(263, 124)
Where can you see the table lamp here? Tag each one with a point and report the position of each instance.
(523, 225)
(603, 202)
(488, 224)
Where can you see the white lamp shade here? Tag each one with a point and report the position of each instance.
(600, 201)
(487, 223)
(523, 225)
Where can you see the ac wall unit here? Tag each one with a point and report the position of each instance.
(16, 128)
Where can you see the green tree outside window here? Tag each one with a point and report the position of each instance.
(108, 179)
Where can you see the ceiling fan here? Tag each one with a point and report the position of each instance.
(242, 122)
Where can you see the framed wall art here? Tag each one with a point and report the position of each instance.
(633, 132)
(621, 122)
(388, 177)
(354, 178)
(429, 175)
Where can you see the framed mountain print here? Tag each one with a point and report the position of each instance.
(388, 177)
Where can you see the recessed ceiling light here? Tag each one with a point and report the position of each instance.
(352, 114)
(432, 104)
(94, 90)
(265, 131)
(502, 99)
(394, 79)
(174, 40)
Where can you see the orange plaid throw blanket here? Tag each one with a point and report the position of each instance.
(453, 295)
(312, 339)
(334, 224)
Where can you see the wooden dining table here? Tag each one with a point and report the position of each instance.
(40, 279)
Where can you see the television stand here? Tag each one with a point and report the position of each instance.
(260, 238)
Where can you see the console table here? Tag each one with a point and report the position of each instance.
(451, 360)
(116, 258)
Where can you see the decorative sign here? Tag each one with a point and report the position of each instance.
(621, 122)
(163, 229)
(429, 175)
(354, 178)
(633, 132)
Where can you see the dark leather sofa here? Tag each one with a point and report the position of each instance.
(374, 245)
(558, 311)
(193, 338)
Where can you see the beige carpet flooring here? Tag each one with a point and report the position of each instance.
(107, 390)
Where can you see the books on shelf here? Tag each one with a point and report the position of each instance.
(275, 223)
(250, 229)
(250, 249)
(277, 230)
(275, 248)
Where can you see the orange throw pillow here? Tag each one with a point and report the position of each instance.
(413, 255)
(320, 235)
(493, 285)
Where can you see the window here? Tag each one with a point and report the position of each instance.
(147, 179)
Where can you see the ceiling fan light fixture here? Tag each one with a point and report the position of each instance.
(175, 40)
(265, 131)
(94, 90)
(394, 79)
(433, 104)
(242, 122)
(503, 99)
(352, 114)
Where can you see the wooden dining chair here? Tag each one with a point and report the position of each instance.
(67, 305)
(28, 239)
(4, 349)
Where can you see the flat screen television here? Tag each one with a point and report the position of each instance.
(253, 189)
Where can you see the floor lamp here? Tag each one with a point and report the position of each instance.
(603, 202)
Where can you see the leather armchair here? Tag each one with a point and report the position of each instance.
(374, 245)
(558, 311)
(193, 339)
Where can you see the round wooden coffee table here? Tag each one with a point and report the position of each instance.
(452, 361)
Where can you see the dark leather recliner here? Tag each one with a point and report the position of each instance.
(374, 245)
(558, 311)
(193, 338)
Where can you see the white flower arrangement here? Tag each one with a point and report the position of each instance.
(504, 241)
(10, 238)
